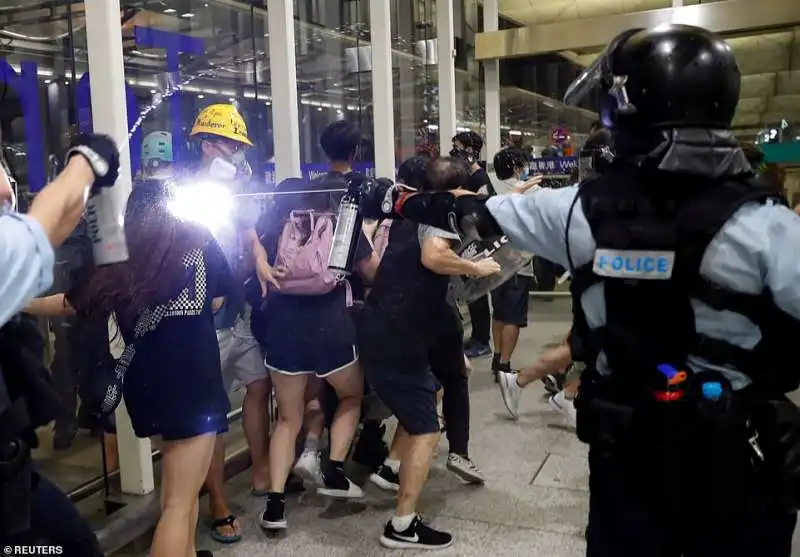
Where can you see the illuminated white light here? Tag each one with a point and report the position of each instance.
(187, 15)
(209, 204)
(514, 132)
(153, 91)
(170, 11)
(201, 96)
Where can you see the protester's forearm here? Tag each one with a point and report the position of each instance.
(447, 262)
(58, 207)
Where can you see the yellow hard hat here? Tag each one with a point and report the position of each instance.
(222, 120)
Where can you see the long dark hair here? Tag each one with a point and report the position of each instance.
(155, 271)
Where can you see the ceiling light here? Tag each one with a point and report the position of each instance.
(187, 15)
(170, 11)
(48, 80)
(152, 91)
(232, 99)
(201, 96)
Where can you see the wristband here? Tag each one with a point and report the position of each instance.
(99, 164)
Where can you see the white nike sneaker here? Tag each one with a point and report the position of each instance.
(564, 406)
(308, 466)
(511, 392)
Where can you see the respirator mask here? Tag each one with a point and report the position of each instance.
(230, 168)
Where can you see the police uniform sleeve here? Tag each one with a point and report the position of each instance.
(26, 263)
(781, 257)
(536, 222)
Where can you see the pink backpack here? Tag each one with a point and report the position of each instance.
(303, 251)
(381, 238)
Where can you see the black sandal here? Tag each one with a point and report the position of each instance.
(229, 520)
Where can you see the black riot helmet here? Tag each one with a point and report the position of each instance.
(670, 76)
(597, 154)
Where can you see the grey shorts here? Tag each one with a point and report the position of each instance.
(240, 356)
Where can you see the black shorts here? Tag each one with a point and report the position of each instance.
(309, 336)
(400, 377)
(510, 301)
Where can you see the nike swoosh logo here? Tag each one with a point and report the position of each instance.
(412, 539)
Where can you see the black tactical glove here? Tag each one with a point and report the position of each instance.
(101, 153)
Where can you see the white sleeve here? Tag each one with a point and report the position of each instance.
(26, 263)
(536, 222)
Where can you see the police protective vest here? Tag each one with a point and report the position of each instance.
(651, 231)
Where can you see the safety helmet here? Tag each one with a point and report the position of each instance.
(222, 120)
(670, 76)
(157, 150)
(596, 155)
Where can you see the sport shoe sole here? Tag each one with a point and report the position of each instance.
(354, 492)
(398, 544)
(273, 525)
(383, 483)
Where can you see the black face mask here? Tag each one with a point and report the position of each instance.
(455, 152)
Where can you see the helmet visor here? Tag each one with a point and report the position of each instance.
(592, 76)
(589, 78)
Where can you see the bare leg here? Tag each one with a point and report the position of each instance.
(215, 484)
(184, 468)
(255, 423)
(553, 360)
(510, 334)
(290, 391)
(349, 386)
(414, 468)
(497, 336)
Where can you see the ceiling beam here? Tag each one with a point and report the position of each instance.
(730, 17)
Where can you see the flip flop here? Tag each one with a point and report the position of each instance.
(229, 520)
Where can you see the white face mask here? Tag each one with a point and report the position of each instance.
(228, 169)
(223, 170)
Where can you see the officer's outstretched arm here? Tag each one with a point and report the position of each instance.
(535, 222)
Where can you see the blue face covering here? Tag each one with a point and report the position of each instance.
(525, 174)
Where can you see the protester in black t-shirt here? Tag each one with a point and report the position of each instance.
(467, 146)
(405, 316)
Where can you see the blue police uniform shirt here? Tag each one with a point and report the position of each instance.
(758, 248)
(26, 263)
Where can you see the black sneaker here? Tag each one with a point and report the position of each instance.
(337, 484)
(274, 515)
(417, 536)
(386, 479)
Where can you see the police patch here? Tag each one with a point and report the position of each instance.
(634, 264)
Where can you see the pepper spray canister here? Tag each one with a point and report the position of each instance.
(105, 210)
(348, 230)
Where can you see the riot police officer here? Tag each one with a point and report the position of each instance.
(685, 278)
